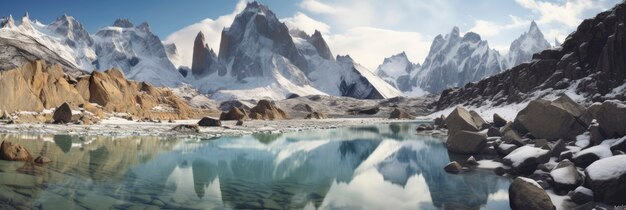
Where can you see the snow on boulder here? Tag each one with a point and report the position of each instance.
(467, 142)
(561, 118)
(620, 144)
(581, 195)
(587, 156)
(611, 115)
(566, 177)
(607, 180)
(524, 160)
(527, 194)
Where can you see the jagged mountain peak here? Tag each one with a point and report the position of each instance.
(397, 70)
(534, 28)
(26, 22)
(529, 43)
(7, 22)
(123, 23)
(71, 29)
(455, 31)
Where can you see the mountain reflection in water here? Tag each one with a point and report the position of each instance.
(370, 167)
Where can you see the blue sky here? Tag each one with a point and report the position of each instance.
(369, 30)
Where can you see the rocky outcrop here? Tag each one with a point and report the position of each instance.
(209, 122)
(14, 152)
(36, 86)
(526, 194)
(63, 114)
(400, 114)
(265, 110)
(234, 113)
(592, 61)
(203, 57)
(560, 119)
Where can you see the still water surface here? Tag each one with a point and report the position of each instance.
(373, 167)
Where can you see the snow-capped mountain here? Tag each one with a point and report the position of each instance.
(454, 61)
(260, 58)
(396, 70)
(529, 43)
(137, 51)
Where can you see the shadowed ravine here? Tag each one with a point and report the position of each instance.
(376, 167)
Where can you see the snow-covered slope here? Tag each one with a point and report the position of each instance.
(137, 51)
(454, 61)
(260, 58)
(529, 43)
(397, 70)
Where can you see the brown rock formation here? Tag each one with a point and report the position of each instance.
(36, 86)
(13, 152)
(265, 110)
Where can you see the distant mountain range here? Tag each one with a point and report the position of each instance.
(454, 61)
(259, 57)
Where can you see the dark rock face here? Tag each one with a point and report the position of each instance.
(63, 114)
(203, 57)
(208, 121)
(524, 195)
(13, 152)
(597, 50)
(320, 45)
(467, 142)
(498, 121)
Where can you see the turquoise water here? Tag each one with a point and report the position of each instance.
(371, 167)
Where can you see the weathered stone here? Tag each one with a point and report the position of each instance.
(498, 121)
(478, 120)
(511, 137)
(239, 123)
(467, 142)
(540, 142)
(471, 161)
(460, 120)
(567, 155)
(63, 114)
(581, 195)
(596, 134)
(453, 167)
(400, 114)
(186, 128)
(553, 120)
(611, 117)
(505, 149)
(493, 132)
(557, 148)
(209, 122)
(265, 110)
(524, 160)
(424, 127)
(234, 113)
(13, 152)
(315, 115)
(526, 194)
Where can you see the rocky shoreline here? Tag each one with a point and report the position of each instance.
(557, 146)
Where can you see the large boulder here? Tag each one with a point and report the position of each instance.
(610, 116)
(209, 122)
(607, 179)
(524, 160)
(13, 152)
(498, 121)
(234, 113)
(561, 118)
(587, 156)
(527, 194)
(400, 114)
(265, 110)
(63, 114)
(461, 120)
(566, 177)
(467, 142)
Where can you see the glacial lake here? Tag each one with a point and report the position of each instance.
(370, 167)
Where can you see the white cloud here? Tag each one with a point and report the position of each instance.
(317, 7)
(369, 46)
(489, 29)
(212, 30)
(306, 24)
(568, 13)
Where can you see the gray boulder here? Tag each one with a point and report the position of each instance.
(498, 121)
(461, 120)
(610, 116)
(561, 118)
(467, 142)
(526, 194)
(524, 160)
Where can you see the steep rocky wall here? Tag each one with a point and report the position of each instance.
(591, 61)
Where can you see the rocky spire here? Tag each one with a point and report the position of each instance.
(26, 23)
(557, 43)
(8, 22)
(203, 56)
(320, 44)
(123, 23)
